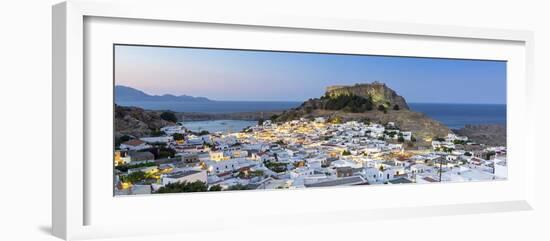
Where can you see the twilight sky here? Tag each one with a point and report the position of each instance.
(282, 76)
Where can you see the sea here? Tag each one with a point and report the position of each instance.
(213, 106)
(454, 116)
(218, 125)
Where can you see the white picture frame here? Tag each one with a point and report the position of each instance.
(73, 193)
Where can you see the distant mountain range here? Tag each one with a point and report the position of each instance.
(125, 93)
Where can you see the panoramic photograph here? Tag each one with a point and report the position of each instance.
(204, 120)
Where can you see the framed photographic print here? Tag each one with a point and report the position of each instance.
(172, 113)
(293, 120)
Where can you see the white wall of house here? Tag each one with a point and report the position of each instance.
(157, 139)
(199, 176)
(301, 172)
(170, 130)
(501, 169)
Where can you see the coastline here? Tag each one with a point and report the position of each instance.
(453, 115)
(483, 133)
(248, 116)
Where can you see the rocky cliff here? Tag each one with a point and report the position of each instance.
(137, 122)
(377, 92)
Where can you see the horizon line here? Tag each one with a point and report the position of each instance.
(213, 99)
(301, 101)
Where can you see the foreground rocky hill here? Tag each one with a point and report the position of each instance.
(137, 122)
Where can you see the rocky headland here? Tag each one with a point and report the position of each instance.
(374, 102)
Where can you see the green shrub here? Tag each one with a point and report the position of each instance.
(135, 177)
(349, 103)
(178, 136)
(176, 187)
(169, 116)
(215, 188)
